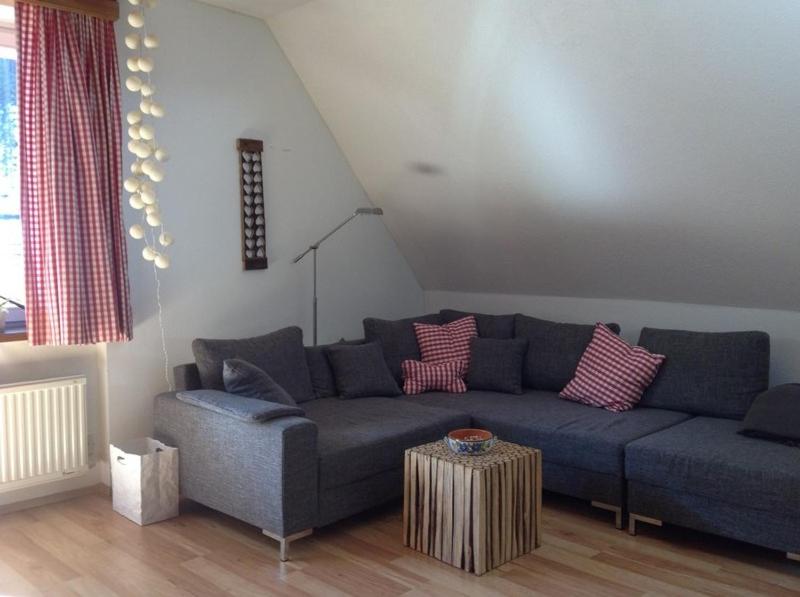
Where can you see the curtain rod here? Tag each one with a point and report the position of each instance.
(108, 10)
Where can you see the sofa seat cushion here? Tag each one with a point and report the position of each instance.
(361, 438)
(708, 457)
(568, 433)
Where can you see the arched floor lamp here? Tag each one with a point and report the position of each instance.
(361, 211)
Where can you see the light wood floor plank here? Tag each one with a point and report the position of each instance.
(81, 547)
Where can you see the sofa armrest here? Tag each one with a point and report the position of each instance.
(249, 410)
(264, 474)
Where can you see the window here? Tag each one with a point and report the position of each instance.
(12, 275)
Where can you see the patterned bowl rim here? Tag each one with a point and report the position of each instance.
(470, 441)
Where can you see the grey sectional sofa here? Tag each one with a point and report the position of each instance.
(675, 458)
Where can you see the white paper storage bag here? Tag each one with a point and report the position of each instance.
(144, 480)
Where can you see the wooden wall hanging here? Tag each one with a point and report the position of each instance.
(254, 219)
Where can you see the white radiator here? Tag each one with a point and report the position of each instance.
(43, 433)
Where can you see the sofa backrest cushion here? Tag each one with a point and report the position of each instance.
(186, 377)
(319, 368)
(707, 373)
(280, 354)
(500, 327)
(554, 350)
(397, 339)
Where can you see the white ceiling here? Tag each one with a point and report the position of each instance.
(257, 8)
(592, 148)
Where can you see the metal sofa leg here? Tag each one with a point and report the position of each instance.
(617, 510)
(632, 518)
(793, 556)
(285, 541)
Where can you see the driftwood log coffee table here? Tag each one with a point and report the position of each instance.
(473, 512)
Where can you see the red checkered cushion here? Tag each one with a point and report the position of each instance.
(448, 342)
(612, 374)
(422, 377)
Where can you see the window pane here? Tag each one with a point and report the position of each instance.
(12, 282)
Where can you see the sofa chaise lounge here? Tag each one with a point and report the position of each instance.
(676, 458)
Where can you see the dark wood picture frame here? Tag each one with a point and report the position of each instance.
(253, 204)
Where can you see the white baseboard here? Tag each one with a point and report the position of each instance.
(89, 478)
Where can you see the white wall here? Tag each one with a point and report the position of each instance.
(782, 326)
(603, 148)
(221, 76)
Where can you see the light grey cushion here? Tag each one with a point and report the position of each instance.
(496, 365)
(361, 438)
(247, 380)
(554, 350)
(361, 371)
(280, 354)
(711, 374)
(489, 326)
(250, 410)
(568, 433)
(397, 339)
(707, 457)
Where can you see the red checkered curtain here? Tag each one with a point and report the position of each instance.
(76, 275)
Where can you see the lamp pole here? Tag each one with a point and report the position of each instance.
(314, 247)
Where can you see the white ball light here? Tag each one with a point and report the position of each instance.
(134, 132)
(136, 19)
(147, 166)
(151, 209)
(135, 201)
(162, 262)
(148, 194)
(145, 64)
(132, 184)
(132, 41)
(133, 83)
(149, 253)
(134, 117)
(154, 220)
(156, 173)
(151, 3)
(148, 89)
(142, 150)
(133, 64)
(157, 110)
(144, 106)
(135, 2)
(151, 41)
(147, 132)
(136, 231)
(136, 168)
(162, 155)
(165, 238)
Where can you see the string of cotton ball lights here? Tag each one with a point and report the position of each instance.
(147, 170)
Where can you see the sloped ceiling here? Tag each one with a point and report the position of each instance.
(590, 148)
(257, 8)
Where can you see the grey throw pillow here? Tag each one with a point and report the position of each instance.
(361, 371)
(280, 354)
(496, 365)
(245, 379)
(775, 415)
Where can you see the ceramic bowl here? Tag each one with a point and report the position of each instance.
(470, 441)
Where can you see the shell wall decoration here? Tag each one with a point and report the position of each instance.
(251, 184)
(147, 169)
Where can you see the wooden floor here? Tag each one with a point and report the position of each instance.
(81, 547)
